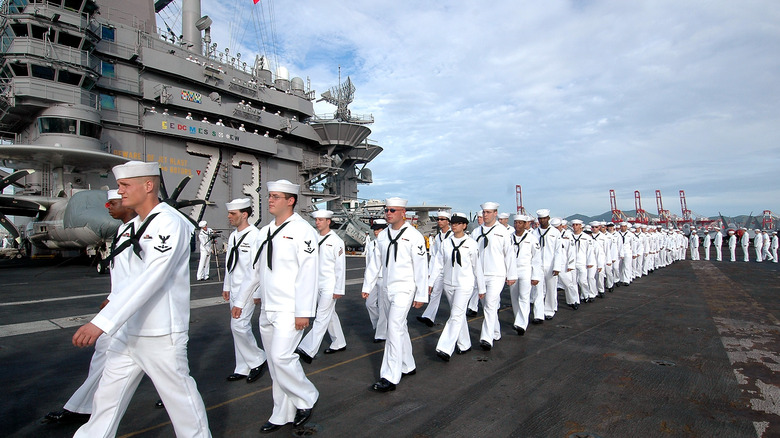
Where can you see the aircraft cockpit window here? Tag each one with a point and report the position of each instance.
(55, 125)
(107, 33)
(20, 29)
(90, 129)
(39, 71)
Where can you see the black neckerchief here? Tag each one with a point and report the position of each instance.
(270, 241)
(541, 237)
(577, 240)
(482, 234)
(624, 236)
(129, 226)
(132, 241)
(393, 244)
(456, 252)
(517, 243)
(446, 235)
(323, 239)
(233, 258)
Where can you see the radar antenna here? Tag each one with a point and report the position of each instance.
(340, 96)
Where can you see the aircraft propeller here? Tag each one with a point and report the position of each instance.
(173, 200)
(16, 207)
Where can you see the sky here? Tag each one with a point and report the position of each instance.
(568, 99)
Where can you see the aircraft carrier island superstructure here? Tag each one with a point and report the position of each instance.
(88, 84)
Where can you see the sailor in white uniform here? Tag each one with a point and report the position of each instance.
(443, 221)
(706, 243)
(603, 263)
(154, 308)
(765, 252)
(546, 298)
(567, 275)
(285, 285)
(79, 406)
(584, 259)
(693, 241)
(473, 308)
(733, 245)
(403, 263)
(332, 270)
(503, 219)
(528, 260)
(773, 246)
(498, 265)
(718, 242)
(242, 245)
(626, 253)
(456, 265)
(745, 242)
(204, 246)
(758, 245)
(376, 303)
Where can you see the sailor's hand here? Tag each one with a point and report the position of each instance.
(256, 300)
(569, 270)
(364, 295)
(430, 290)
(599, 270)
(226, 295)
(236, 312)
(103, 304)
(481, 296)
(588, 266)
(417, 304)
(301, 323)
(534, 282)
(337, 296)
(556, 273)
(510, 282)
(86, 335)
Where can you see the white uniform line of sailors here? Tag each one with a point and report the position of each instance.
(765, 244)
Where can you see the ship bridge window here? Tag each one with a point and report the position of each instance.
(69, 40)
(16, 6)
(67, 77)
(74, 5)
(107, 33)
(88, 83)
(20, 29)
(90, 129)
(38, 32)
(107, 69)
(20, 69)
(107, 102)
(39, 71)
(56, 125)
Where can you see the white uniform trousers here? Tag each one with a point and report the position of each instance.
(248, 354)
(694, 253)
(398, 347)
(550, 288)
(616, 271)
(774, 255)
(765, 254)
(569, 282)
(434, 300)
(520, 294)
(204, 265)
(706, 252)
(592, 274)
(758, 254)
(291, 389)
(733, 252)
(581, 274)
(600, 279)
(718, 253)
(327, 320)
(746, 253)
(625, 269)
(164, 360)
(456, 330)
(81, 400)
(609, 275)
(376, 312)
(490, 326)
(638, 262)
(474, 300)
(537, 300)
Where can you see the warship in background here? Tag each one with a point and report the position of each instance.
(88, 84)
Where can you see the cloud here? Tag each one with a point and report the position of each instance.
(567, 98)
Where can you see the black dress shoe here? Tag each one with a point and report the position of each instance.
(459, 351)
(575, 306)
(235, 376)
(304, 357)
(255, 373)
(159, 404)
(547, 318)
(485, 345)
(425, 321)
(443, 356)
(383, 385)
(537, 321)
(520, 331)
(301, 416)
(378, 341)
(269, 427)
(65, 416)
(334, 350)
(410, 373)
(601, 295)
(470, 313)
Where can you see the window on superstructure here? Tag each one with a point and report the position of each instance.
(56, 125)
(55, 2)
(107, 33)
(16, 6)
(74, 5)
(20, 69)
(107, 69)
(42, 72)
(90, 129)
(88, 83)
(69, 40)
(20, 29)
(107, 102)
(38, 32)
(69, 78)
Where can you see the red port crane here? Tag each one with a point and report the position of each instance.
(664, 217)
(617, 215)
(768, 222)
(641, 214)
(519, 198)
(686, 214)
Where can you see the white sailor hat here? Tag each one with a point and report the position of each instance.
(283, 186)
(459, 218)
(543, 213)
(322, 214)
(113, 194)
(238, 204)
(624, 224)
(587, 228)
(716, 228)
(576, 222)
(594, 223)
(443, 213)
(202, 224)
(556, 221)
(758, 229)
(564, 222)
(133, 169)
(731, 231)
(610, 224)
(503, 215)
(396, 202)
(489, 206)
(521, 217)
(479, 214)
